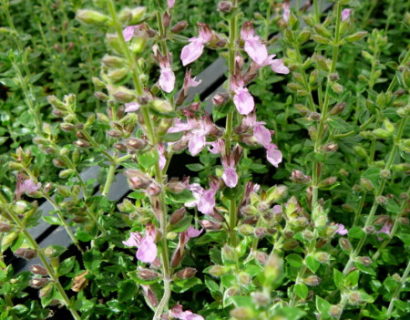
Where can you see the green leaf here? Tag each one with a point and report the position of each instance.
(148, 159)
(83, 236)
(127, 290)
(295, 260)
(180, 197)
(66, 266)
(92, 260)
(182, 225)
(301, 290)
(312, 263)
(290, 313)
(338, 278)
(195, 167)
(184, 285)
(322, 306)
(356, 233)
(54, 220)
(352, 279)
(242, 301)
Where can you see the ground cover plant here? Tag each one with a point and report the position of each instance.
(283, 194)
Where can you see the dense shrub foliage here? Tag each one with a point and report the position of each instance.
(281, 194)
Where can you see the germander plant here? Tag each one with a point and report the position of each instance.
(308, 221)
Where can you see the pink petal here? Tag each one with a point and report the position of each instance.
(132, 106)
(192, 51)
(277, 209)
(346, 14)
(205, 33)
(262, 135)
(278, 66)
(192, 232)
(273, 155)
(216, 147)
(243, 101)
(341, 229)
(256, 50)
(230, 177)
(286, 11)
(161, 153)
(179, 126)
(128, 32)
(29, 186)
(134, 240)
(147, 251)
(386, 228)
(167, 79)
(206, 203)
(196, 144)
(197, 192)
(171, 3)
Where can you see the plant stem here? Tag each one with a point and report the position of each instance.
(398, 289)
(63, 221)
(324, 108)
(109, 180)
(42, 257)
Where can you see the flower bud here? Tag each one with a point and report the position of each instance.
(123, 95)
(120, 147)
(337, 109)
(180, 26)
(220, 99)
(328, 182)
(225, 6)
(114, 133)
(244, 278)
(37, 269)
(4, 227)
(210, 225)
(147, 274)
(137, 15)
(228, 253)
(276, 193)
(217, 270)
(137, 179)
(299, 177)
(38, 283)
(260, 298)
(273, 267)
(366, 184)
(366, 261)
(161, 106)
(186, 273)
(112, 62)
(354, 298)
(153, 189)
(312, 281)
(82, 143)
(117, 75)
(166, 18)
(25, 253)
(79, 282)
(177, 216)
(91, 17)
(345, 244)
(335, 311)
(330, 147)
(322, 257)
(67, 127)
(242, 313)
(135, 143)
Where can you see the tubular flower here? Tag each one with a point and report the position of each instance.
(167, 77)
(195, 48)
(206, 203)
(170, 3)
(178, 313)
(242, 99)
(253, 44)
(346, 14)
(147, 249)
(286, 11)
(129, 32)
(24, 185)
(341, 229)
(273, 155)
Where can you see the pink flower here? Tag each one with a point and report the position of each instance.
(24, 185)
(273, 155)
(195, 48)
(386, 228)
(253, 44)
(206, 203)
(129, 32)
(286, 11)
(262, 135)
(196, 132)
(167, 79)
(230, 177)
(147, 249)
(190, 82)
(341, 229)
(132, 106)
(177, 312)
(242, 99)
(171, 3)
(197, 192)
(191, 232)
(346, 14)
(278, 66)
(216, 147)
(161, 154)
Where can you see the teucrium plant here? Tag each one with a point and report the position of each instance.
(260, 230)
